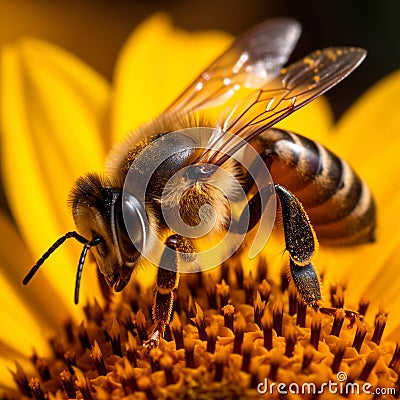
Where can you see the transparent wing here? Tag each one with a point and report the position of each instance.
(296, 86)
(253, 59)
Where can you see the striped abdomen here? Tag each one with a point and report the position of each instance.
(338, 202)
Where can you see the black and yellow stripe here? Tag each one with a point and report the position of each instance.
(338, 203)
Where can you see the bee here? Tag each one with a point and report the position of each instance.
(317, 193)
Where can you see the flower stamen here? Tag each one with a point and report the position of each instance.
(307, 358)
(177, 331)
(359, 336)
(229, 312)
(380, 323)
(290, 337)
(223, 291)
(98, 359)
(212, 332)
(70, 360)
(189, 351)
(339, 350)
(167, 366)
(340, 315)
(36, 389)
(141, 326)
(267, 324)
(220, 360)
(115, 338)
(43, 369)
(259, 309)
(68, 384)
(363, 305)
(239, 328)
(315, 330)
(200, 323)
(277, 316)
(248, 285)
(369, 365)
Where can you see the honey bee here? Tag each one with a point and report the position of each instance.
(318, 194)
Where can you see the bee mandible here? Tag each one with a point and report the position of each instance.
(317, 193)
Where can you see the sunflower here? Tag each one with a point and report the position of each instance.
(59, 118)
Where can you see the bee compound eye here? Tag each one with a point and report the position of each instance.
(135, 220)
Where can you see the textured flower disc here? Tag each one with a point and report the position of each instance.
(229, 334)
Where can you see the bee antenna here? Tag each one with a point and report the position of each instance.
(94, 242)
(48, 253)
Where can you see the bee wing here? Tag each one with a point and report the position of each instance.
(253, 59)
(296, 86)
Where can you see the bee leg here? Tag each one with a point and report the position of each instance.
(252, 214)
(167, 282)
(300, 242)
(163, 300)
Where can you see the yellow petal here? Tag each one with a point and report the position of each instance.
(360, 266)
(372, 119)
(367, 135)
(20, 329)
(157, 62)
(20, 332)
(52, 110)
(383, 290)
(15, 260)
(7, 354)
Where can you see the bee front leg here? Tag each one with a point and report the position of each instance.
(300, 242)
(163, 300)
(167, 283)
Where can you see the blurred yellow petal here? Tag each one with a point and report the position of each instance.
(7, 365)
(20, 331)
(15, 260)
(372, 123)
(18, 323)
(50, 135)
(157, 62)
(358, 266)
(367, 137)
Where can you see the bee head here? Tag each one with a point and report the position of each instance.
(97, 211)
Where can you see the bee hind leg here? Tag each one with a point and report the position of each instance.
(166, 283)
(300, 238)
(300, 242)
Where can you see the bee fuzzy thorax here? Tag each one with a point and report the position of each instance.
(200, 200)
(124, 153)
